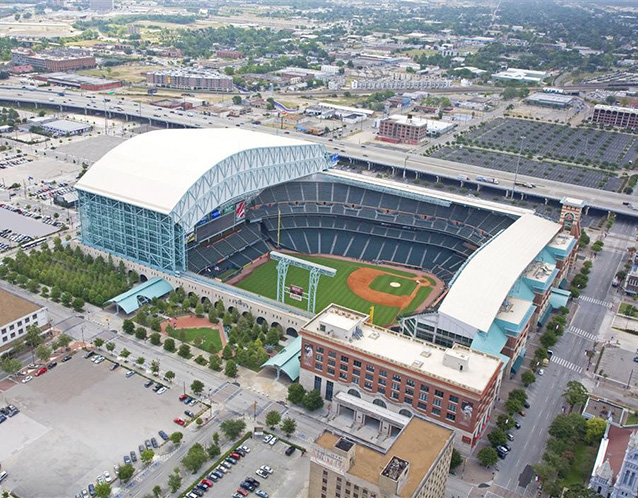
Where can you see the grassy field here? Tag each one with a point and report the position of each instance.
(211, 341)
(580, 470)
(263, 281)
(382, 283)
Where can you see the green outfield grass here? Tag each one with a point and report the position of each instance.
(211, 341)
(263, 281)
(382, 283)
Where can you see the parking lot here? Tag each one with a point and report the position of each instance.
(284, 481)
(77, 421)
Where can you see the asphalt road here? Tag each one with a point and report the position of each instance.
(568, 363)
(117, 107)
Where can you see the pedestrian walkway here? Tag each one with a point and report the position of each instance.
(567, 364)
(593, 300)
(582, 333)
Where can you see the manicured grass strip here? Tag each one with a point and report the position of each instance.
(210, 337)
(382, 283)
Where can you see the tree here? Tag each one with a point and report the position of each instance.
(594, 430)
(125, 472)
(125, 353)
(227, 352)
(580, 491)
(156, 339)
(513, 405)
(296, 393)
(64, 340)
(98, 342)
(528, 378)
(195, 458)
(273, 418)
(128, 326)
(487, 456)
(174, 481)
(504, 422)
(184, 351)
(232, 428)
(236, 100)
(140, 333)
(43, 352)
(312, 400)
(169, 345)
(215, 363)
(110, 347)
(197, 386)
(176, 437)
(288, 426)
(568, 427)
(155, 366)
(199, 310)
(157, 491)
(213, 451)
(518, 394)
(78, 304)
(147, 456)
(212, 315)
(575, 394)
(103, 490)
(11, 366)
(456, 460)
(497, 437)
(216, 438)
(231, 368)
(169, 375)
(272, 337)
(33, 338)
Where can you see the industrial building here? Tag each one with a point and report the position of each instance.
(348, 360)
(77, 81)
(522, 75)
(57, 127)
(550, 100)
(621, 117)
(16, 315)
(57, 60)
(190, 79)
(414, 463)
(400, 128)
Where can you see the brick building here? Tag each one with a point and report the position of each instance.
(355, 365)
(408, 129)
(190, 79)
(621, 117)
(414, 463)
(57, 60)
(230, 54)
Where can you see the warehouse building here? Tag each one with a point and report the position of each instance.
(77, 81)
(190, 79)
(550, 100)
(57, 60)
(522, 75)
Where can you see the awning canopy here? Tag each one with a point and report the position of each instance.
(132, 299)
(519, 361)
(287, 360)
(559, 297)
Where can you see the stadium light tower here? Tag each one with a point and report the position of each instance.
(518, 162)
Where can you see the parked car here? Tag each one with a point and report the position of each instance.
(133, 456)
(290, 450)
(182, 397)
(541, 372)
(266, 468)
(28, 378)
(261, 473)
(91, 489)
(510, 436)
(67, 358)
(231, 460)
(267, 438)
(41, 371)
(178, 421)
(141, 448)
(148, 383)
(517, 425)
(261, 493)
(526, 405)
(127, 460)
(130, 373)
(189, 413)
(107, 476)
(148, 444)
(273, 441)
(162, 390)
(53, 364)
(154, 443)
(163, 435)
(114, 366)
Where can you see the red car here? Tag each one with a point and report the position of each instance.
(183, 397)
(242, 492)
(40, 372)
(235, 455)
(207, 482)
(179, 421)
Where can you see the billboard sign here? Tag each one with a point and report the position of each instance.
(240, 210)
(296, 292)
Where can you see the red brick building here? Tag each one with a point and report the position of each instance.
(455, 387)
(53, 61)
(230, 54)
(621, 117)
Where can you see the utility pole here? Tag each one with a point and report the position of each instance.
(518, 162)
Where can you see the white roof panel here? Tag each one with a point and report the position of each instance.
(154, 170)
(481, 286)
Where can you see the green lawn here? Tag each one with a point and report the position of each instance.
(263, 281)
(580, 470)
(210, 337)
(382, 283)
(632, 419)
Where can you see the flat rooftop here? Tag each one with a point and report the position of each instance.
(13, 307)
(539, 271)
(410, 353)
(420, 443)
(513, 310)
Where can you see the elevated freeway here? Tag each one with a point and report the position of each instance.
(366, 156)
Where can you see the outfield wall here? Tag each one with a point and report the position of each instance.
(267, 309)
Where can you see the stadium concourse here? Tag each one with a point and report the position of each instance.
(206, 205)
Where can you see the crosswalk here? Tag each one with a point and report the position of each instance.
(582, 333)
(567, 364)
(593, 300)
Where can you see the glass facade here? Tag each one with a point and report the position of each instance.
(135, 233)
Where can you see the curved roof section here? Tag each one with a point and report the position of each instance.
(156, 170)
(482, 284)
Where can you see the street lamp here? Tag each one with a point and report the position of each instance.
(518, 162)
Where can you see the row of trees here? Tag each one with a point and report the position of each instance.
(288, 425)
(580, 281)
(310, 400)
(67, 275)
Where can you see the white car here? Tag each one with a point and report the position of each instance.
(540, 371)
(99, 479)
(192, 403)
(273, 441)
(107, 476)
(246, 449)
(28, 378)
(267, 437)
(266, 468)
(162, 390)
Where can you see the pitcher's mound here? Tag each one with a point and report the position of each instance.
(395, 284)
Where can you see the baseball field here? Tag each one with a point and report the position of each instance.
(357, 286)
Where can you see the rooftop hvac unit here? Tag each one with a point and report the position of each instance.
(427, 352)
(374, 335)
(417, 364)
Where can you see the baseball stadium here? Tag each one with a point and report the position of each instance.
(271, 217)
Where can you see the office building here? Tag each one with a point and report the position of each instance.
(400, 128)
(16, 315)
(57, 60)
(190, 79)
(413, 463)
(621, 117)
